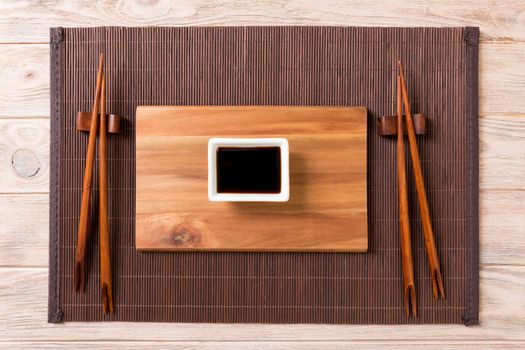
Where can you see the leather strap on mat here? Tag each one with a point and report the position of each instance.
(343, 66)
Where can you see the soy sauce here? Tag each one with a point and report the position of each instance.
(248, 170)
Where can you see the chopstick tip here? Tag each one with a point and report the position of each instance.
(78, 277)
(107, 299)
(437, 284)
(410, 301)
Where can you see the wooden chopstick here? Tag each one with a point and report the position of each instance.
(105, 259)
(409, 287)
(83, 232)
(430, 243)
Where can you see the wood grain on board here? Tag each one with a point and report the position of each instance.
(24, 156)
(28, 21)
(24, 242)
(303, 345)
(327, 210)
(24, 81)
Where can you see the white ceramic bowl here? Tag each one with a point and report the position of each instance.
(215, 196)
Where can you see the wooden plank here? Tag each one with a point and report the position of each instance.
(23, 314)
(25, 243)
(501, 165)
(501, 227)
(327, 195)
(24, 82)
(501, 77)
(501, 178)
(28, 22)
(291, 345)
(502, 141)
(24, 155)
(502, 152)
(25, 229)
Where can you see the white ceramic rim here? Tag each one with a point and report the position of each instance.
(216, 142)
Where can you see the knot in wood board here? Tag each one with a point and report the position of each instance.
(25, 163)
(182, 235)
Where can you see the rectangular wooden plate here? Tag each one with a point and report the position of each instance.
(327, 210)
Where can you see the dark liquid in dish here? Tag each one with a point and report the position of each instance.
(248, 170)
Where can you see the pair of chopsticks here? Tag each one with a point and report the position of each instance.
(409, 289)
(83, 230)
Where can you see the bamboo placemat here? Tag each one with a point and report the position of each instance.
(339, 66)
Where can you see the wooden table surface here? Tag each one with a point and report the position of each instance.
(24, 172)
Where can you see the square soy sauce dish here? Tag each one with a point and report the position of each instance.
(248, 170)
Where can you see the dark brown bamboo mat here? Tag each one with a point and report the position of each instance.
(339, 66)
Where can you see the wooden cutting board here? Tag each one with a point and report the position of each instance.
(327, 210)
